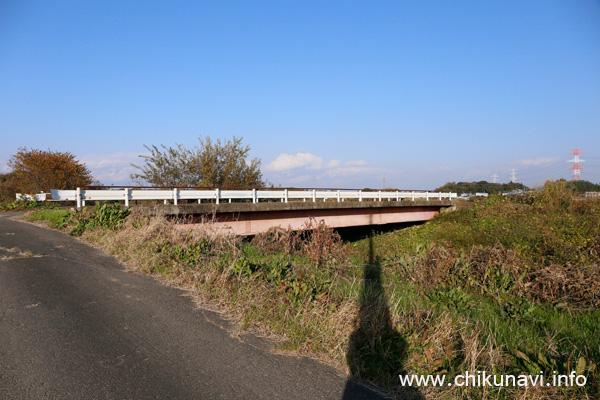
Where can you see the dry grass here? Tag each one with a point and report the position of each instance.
(14, 253)
(315, 240)
(483, 267)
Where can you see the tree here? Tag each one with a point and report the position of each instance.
(38, 170)
(209, 164)
(8, 186)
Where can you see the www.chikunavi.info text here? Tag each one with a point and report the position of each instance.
(482, 378)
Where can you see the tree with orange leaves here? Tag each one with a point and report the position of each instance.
(39, 170)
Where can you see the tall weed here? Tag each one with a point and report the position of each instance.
(107, 215)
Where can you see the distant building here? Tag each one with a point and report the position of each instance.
(592, 195)
(514, 192)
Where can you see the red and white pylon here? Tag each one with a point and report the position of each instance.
(576, 160)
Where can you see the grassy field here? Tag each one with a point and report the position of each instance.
(508, 286)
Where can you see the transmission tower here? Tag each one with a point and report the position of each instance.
(513, 175)
(495, 178)
(576, 160)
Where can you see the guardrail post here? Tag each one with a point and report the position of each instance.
(254, 199)
(380, 195)
(314, 195)
(175, 195)
(78, 197)
(360, 195)
(427, 196)
(285, 195)
(412, 195)
(217, 195)
(338, 196)
(127, 191)
(440, 195)
(397, 195)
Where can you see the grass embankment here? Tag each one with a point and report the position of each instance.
(511, 286)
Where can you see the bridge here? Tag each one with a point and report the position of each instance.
(250, 211)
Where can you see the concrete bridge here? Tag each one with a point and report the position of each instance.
(250, 211)
(250, 219)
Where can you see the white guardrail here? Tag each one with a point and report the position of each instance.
(255, 195)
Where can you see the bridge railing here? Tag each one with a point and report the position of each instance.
(80, 196)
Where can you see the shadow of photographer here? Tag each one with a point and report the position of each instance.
(376, 351)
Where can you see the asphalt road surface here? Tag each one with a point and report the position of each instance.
(74, 324)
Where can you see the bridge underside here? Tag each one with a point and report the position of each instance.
(253, 223)
(250, 219)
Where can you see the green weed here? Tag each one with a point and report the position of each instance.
(56, 217)
(107, 215)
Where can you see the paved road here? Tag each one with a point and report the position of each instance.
(75, 325)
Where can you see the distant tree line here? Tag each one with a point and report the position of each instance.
(495, 188)
(583, 186)
(480, 187)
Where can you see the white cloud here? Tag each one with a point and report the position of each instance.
(286, 162)
(112, 169)
(310, 169)
(307, 161)
(440, 169)
(355, 167)
(540, 161)
(478, 175)
(298, 180)
(355, 163)
(334, 164)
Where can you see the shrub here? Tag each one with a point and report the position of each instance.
(106, 215)
(315, 240)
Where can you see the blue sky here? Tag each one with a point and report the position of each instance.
(326, 93)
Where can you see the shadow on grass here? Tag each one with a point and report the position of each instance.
(377, 351)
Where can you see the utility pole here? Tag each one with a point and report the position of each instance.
(576, 160)
(513, 175)
(495, 178)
